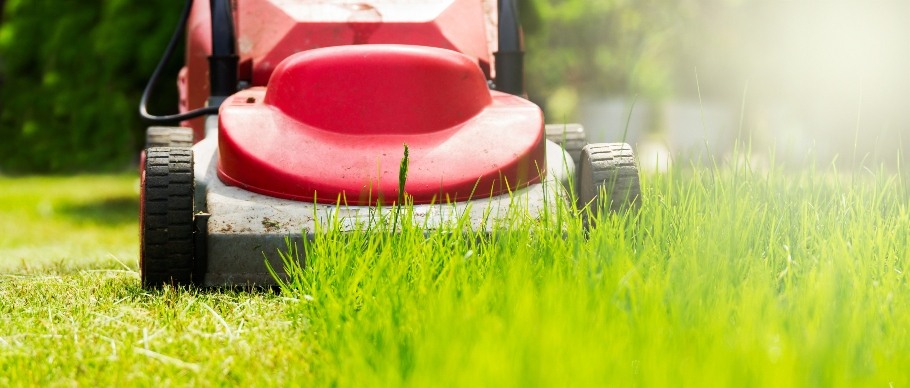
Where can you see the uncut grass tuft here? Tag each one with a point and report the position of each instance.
(723, 276)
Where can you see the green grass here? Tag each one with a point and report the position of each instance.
(68, 222)
(721, 278)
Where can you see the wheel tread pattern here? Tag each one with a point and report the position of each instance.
(608, 168)
(166, 255)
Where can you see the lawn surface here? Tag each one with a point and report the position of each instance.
(721, 278)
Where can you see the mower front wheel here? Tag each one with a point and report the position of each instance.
(607, 169)
(166, 217)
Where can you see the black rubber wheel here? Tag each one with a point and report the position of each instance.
(571, 137)
(609, 169)
(174, 137)
(166, 217)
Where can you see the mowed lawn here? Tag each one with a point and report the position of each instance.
(721, 278)
(65, 223)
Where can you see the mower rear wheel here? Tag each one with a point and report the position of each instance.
(174, 137)
(608, 169)
(166, 217)
(571, 137)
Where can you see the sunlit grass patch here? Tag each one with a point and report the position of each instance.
(68, 222)
(722, 277)
(99, 328)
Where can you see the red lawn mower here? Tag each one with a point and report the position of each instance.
(296, 113)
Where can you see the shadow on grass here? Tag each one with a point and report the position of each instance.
(113, 211)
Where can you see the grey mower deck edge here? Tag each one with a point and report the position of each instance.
(245, 229)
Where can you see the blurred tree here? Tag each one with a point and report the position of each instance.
(72, 75)
(601, 48)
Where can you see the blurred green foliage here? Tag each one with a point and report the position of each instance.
(72, 74)
(602, 47)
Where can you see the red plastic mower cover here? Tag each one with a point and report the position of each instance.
(332, 124)
(268, 31)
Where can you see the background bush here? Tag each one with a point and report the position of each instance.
(72, 74)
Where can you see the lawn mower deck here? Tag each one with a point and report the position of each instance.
(244, 229)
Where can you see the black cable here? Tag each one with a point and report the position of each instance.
(223, 61)
(153, 80)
